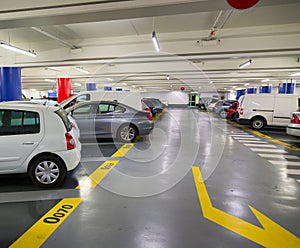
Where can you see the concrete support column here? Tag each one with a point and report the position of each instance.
(63, 89)
(10, 84)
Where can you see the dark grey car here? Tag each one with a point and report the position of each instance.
(105, 119)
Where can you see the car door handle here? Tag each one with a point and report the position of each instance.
(28, 143)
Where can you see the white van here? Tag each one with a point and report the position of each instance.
(260, 110)
(132, 99)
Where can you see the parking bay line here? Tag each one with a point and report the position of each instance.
(253, 141)
(260, 145)
(123, 150)
(284, 162)
(35, 236)
(283, 156)
(268, 150)
(293, 172)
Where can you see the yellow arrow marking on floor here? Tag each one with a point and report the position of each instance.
(36, 235)
(271, 235)
(259, 134)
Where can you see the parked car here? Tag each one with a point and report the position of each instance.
(38, 140)
(150, 104)
(159, 106)
(232, 112)
(293, 127)
(260, 110)
(221, 107)
(103, 119)
(46, 102)
(211, 104)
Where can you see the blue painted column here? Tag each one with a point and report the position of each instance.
(291, 87)
(240, 93)
(265, 89)
(90, 86)
(10, 84)
(251, 90)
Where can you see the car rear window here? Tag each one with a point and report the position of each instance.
(16, 122)
(64, 117)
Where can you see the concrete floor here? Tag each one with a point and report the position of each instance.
(152, 198)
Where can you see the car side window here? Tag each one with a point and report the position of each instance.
(85, 109)
(103, 108)
(119, 109)
(15, 122)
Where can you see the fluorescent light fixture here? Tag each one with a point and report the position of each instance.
(211, 82)
(133, 86)
(155, 41)
(140, 88)
(168, 77)
(33, 89)
(81, 69)
(50, 80)
(246, 84)
(110, 79)
(265, 80)
(295, 74)
(77, 84)
(18, 50)
(124, 84)
(234, 87)
(245, 64)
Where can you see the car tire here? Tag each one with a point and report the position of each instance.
(235, 116)
(127, 133)
(223, 114)
(258, 123)
(47, 171)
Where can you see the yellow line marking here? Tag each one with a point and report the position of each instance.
(45, 226)
(123, 150)
(270, 235)
(158, 116)
(96, 177)
(259, 134)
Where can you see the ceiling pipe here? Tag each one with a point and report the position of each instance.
(68, 44)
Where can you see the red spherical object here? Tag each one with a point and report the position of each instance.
(182, 88)
(242, 4)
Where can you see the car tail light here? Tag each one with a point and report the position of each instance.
(147, 110)
(70, 141)
(295, 119)
(242, 111)
(237, 106)
(149, 116)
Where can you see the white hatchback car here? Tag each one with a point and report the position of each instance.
(38, 140)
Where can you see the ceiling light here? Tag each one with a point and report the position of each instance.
(77, 84)
(50, 80)
(246, 84)
(168, 77)
(124, 84)
(33, 89)
(81, 69)
(211, 82)
(18, 50)
(110, 79)
(234, 87)
(155, 41)
(265, 80)
(133, 86)
(245, 64)
(295, 74)
(52, 68)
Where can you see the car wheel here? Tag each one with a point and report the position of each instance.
(127, 133)
(202, 107)
(47, 171)
(258, 123)
(234, 116)
(223, 114)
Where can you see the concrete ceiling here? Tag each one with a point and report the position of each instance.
(112, 40)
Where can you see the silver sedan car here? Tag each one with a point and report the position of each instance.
(293, 127)
(110, 119)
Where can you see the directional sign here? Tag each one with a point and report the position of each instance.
(269, 235)
(242, 4)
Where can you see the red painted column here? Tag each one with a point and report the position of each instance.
(63, 89)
